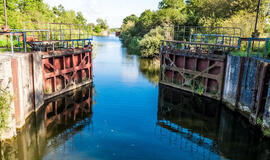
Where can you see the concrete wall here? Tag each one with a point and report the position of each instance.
(23, 71)
(231, 80)
(6, 80)
(266, 116)
(38, 80)
(248, 79)
(248, 85)
(22, 68)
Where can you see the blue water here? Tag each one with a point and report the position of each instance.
(131, 117)
(125, 113)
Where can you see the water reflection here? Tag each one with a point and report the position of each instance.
(52, 126)
(150, 69)
(207, 129)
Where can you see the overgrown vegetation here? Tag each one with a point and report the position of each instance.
(30, 14)
(141, 35)
(5, 102)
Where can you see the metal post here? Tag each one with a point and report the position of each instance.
(24, 41)
(79, 31)
(12, 49)
(6, 24)
(266, 48)
(18, 39)
(70, 31)
(256, 33)
(5, 8)
(60, 32)
(87, 31)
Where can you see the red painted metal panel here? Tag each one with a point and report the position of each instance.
(197, 73)
(60, 72)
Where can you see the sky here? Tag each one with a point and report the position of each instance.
(114, 11)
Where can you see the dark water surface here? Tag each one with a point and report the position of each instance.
(127, 115)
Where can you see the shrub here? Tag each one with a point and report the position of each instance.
(150, 44)
(134, 45)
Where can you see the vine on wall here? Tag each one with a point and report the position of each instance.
(5, 109)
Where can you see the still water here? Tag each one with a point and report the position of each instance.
(126, 115)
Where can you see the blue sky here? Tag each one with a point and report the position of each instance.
(114, 11)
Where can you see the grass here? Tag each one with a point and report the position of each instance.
(3, 50)
(244, 54)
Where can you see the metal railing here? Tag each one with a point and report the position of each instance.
(183, 33)
(203, 48)
(214, 40)
(258, 47)
(59, 31)
(17, 41)
(50, 36)
(56, 45)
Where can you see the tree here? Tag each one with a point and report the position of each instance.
(80, 19)
(102, 23)
(174, 4)
(132, 18)
(145, 22)
(97, 29)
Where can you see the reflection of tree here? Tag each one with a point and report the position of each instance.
(150, 69)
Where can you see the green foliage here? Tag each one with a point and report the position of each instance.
(32, 14)
(131, 18)
(97, 29)
(150, 44)
(5, 102)
(266, 132)
(144, 33)
(102, 23)
(225, 13)
(243, 19)
(134, 45)
(174, 4)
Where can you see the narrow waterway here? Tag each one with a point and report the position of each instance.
(126, 115)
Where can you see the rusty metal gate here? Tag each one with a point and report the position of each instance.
(192, 70)
(66, 66)
(194, 58)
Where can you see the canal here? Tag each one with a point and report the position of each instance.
(126, 115)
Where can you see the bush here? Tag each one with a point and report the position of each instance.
(150, 44)
(134, 45)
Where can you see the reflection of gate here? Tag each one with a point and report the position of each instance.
(69, 108)
(191, 123)
(66, 70)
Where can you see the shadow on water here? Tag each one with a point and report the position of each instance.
(56, 122)
(205, 127)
